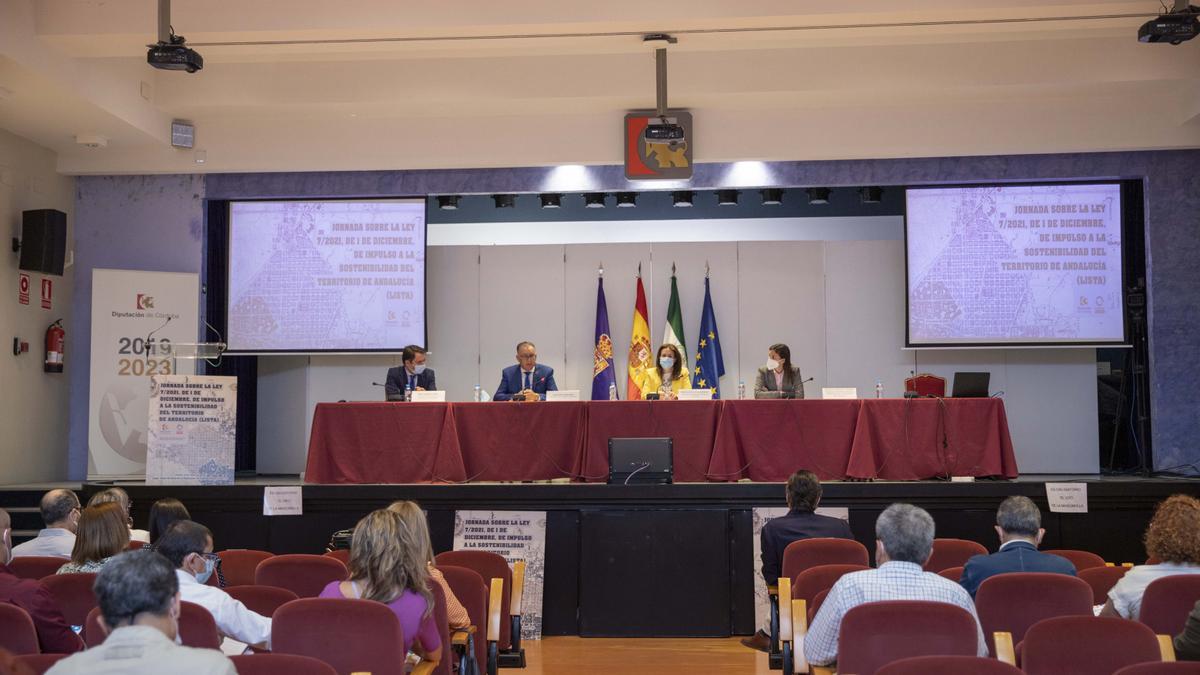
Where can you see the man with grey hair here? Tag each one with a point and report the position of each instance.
(903, 543)
(60, 513)
(138, 595)
(1019, 524)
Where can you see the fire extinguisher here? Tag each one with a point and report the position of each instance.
(56, 337)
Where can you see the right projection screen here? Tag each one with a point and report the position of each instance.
(1005, 265)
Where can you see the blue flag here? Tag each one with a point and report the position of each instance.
(710, 364)
(603, 373)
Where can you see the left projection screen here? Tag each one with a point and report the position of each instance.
(326, 276)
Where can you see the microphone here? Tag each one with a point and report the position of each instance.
(151, 334)
(379, 384)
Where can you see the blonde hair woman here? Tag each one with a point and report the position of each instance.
(385, 566)
(414, 517)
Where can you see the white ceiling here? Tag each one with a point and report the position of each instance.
(305, 85)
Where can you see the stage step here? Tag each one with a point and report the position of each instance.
(23, 507)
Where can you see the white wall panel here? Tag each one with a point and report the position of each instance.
(282, 444)
(521, 297)
(452, 277)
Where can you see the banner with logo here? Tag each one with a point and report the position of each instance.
(193, 424)
(136, 316)
(516, 535)
(759, 517)
(648, 157)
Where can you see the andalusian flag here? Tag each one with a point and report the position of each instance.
(673, 334)
(639, 345)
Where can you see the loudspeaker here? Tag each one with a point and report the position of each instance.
(640, 460)
(43, 241)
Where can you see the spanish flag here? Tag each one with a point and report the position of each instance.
(639, 346)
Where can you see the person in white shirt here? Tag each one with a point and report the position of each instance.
(138, 595)
(60, 513)
(189, 547)
(120, 496)
(1173, 537)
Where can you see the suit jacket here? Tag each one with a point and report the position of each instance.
(54, 635)
(1018, 556)
(793, 384)
(652, 383)
(1187, 643)
(796, 525)
(511, 382)
(397, 380)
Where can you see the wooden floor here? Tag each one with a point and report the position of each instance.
(639, 656)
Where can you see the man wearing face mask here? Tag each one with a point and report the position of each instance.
(60, 513)
(54, 635)
(413, 372)
(189, 545)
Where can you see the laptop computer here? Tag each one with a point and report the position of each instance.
(971, 385)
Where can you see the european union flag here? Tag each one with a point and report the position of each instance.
(710, 364)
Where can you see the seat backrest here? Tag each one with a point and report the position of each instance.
(1086, 644)
(1167, 602)
(74, 595)
(1015, 601)
(35, 566)
(882, 632)
(1102, 579)
(445, 664)
(489, 566)
(1162, 668)
(303, 574)
(813, 580)
(17, 633)
(952, 573)
(468, 586)
(238, 565)
(949, 553)
(1082, 560)
(197, 628)
(805, 553)
(38, 664)
(280, 664)
(262, 600)
(925, 384)
(93, 632)
(342, 554)
(948, 665)
(818, 600)
(351, 635)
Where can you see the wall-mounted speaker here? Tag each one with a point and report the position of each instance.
(43, 241)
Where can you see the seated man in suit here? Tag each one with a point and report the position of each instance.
(1019, 524)
(412, 371)
(528, 379)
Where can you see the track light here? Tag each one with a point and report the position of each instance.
(551, 200)
(505, 201)
(682, 198)
(626, 200)
(594, 200)
(818, 195)
(727, 197)
(772, 196)
(871, 195)
(448, 202)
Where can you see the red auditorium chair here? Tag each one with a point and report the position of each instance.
(93, 632)
(882, 632)
(74, 595)
(1102, 579)
(489, 566)
(1069, 645)
(1082, 560)
(952, 573)
(1167, 602)
(341, 554)
(38, 664)
(818, 600)
(948, 665)
(135, 545)
(445, 664)
(814, 580)
(263, 600)
(926, 384)
(17, 633)
(949, 553)
(353, 636)
(238, 565)
(197, 628)
(806, 553)
(468, 586)
(35, 566)
(303, 574)
(1011, 603)
(280, 664)
(1162, 668)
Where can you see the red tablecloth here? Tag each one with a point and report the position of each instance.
(768, 440)
(521, 441)
(692, 425)
(380, 443)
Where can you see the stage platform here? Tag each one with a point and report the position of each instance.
(644, 560)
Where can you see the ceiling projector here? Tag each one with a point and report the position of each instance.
(1176, 27)
(663, 130)
(174, 55)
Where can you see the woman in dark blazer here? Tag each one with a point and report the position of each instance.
(778, 379)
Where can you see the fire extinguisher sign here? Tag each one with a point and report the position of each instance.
(47, 292)
(23, 289)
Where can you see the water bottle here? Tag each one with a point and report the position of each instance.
(878, 388)
(408, 391)
(741, 389)
(612, 392)
(478, 394)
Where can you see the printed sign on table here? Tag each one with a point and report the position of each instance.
(516, 535)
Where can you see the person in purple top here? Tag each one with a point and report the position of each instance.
(385, 567)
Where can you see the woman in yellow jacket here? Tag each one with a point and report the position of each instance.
(668, 375)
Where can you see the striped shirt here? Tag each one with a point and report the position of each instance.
(894, 580)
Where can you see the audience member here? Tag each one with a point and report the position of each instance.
(385, 566)
(1174, 538)
(164, 512)
(801, 522)
(117, 495)
(102, 534)
(60, 513)
(1187, 643)
(54, 635)
(189, 547)
(903, 543)
(1019, 524)
(138, 594)
(414, 518)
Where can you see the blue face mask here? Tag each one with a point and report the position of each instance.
(209, 566)
(417, 370)
(667, 362)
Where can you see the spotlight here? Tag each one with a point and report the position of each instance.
(818, 195)
(448, 202)
(772, 196)
(594, 200)
(505, 201)
(727, 197)
(551, 200)
(626, 200)
(682, 198)
(871, 195)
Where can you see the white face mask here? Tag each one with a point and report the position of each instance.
(772, 364)
(417, 370)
